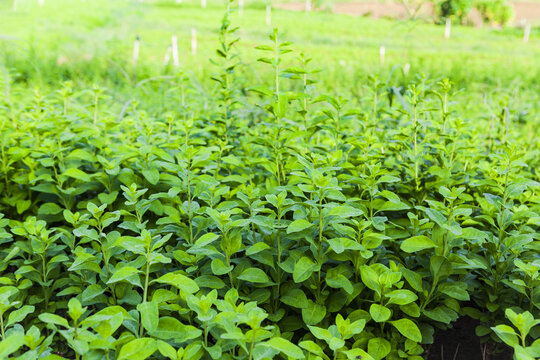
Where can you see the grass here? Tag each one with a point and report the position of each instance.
(73, 30)
(92, 41)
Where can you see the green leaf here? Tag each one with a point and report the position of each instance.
(11, 344)
(339, 245)
(254, 275)
(356, 354)
(379, 348)
(313, 348)
(206, 239)
(334, 343)
(49, 209)
(149, 315)
(417, 243)
(370, 278)
(179, 281)
(295, 298)
(401, 297)
(314, 313)
(435, 215)
(440, 267)
(320, 333)
(441, 314)
(379, 313)
(75, 309)
(298, 225)
(171, 329)
(257, 248)
(457, 291)
(408, 329)
(19, 315)
(53, 319)
(138, 349)
(345, 211)
(337, 280)
(303, 269)
(506, 334)
(219, 268)
(77, 174)
(286, 347)
(122, 274)
(167, 350)
(152, 175)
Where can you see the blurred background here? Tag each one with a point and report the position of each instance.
(491, 46)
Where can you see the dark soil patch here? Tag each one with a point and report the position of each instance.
(461, 343)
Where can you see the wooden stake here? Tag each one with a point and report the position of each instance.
(382, 52)
(136, 46)
(406, 68)
(174, 49)
(241, 7)
(268, 15)
(193, 41)
(203, 4)
(308, 5)
(527, 33)
(447, 28)
(14, 5)
(41, 2)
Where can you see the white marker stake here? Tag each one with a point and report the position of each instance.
(203, 4)
(308, 5)
(167, 57)
(241, 7)
(406, 68)
(527, 33)
(41, 2)
(193, 41)
(268, 15)
(382, 51)
(136, 50)
(14, 5)
(178, 1)
(174, 49)
(447, 28)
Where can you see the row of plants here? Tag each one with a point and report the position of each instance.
(275, 221)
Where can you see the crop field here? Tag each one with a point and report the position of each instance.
(192, 183)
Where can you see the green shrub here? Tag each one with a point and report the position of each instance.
(453, 9)
(492, 11)
(278, 221)
(495, 11)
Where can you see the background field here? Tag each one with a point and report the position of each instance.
(86, 37)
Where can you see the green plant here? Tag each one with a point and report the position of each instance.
(454, 9)
(524, 323)
(495, 11)
(311, 216)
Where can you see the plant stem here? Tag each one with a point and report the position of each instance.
(145, 293)
(319, 250)
(2, 326)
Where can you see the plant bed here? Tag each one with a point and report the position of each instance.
(270, 219)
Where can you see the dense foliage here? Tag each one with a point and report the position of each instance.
(492, 11)
(274, 221)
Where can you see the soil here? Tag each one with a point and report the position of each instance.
(528, 11)
(461, 343)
